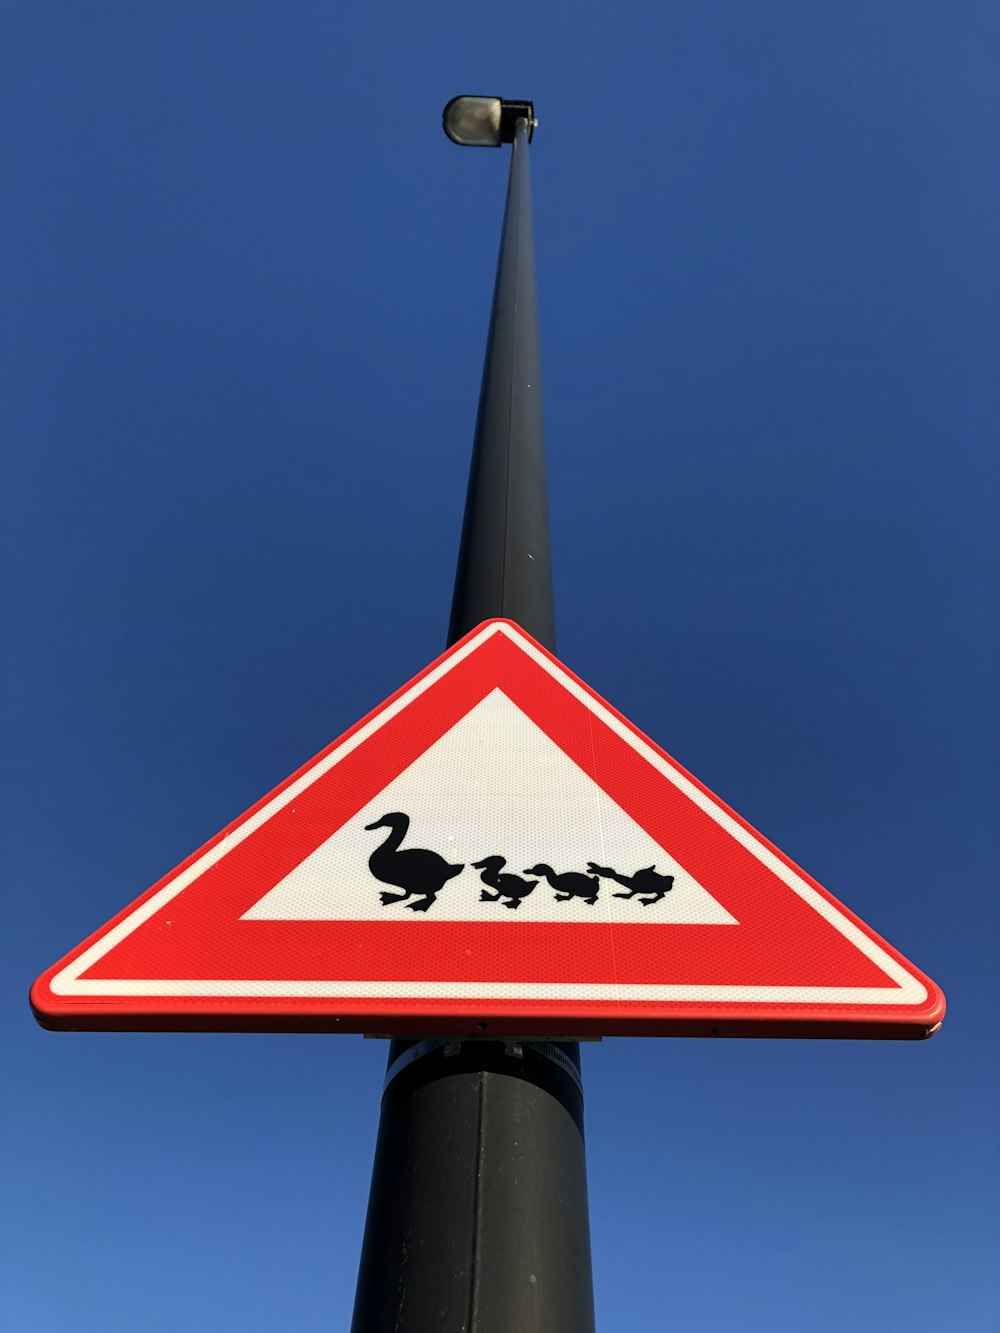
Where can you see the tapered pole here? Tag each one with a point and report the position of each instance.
(504, 564)
(478, 1220)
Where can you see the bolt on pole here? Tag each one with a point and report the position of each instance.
(477, 1218)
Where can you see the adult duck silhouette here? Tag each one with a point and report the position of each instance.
(570, 884)
(510, 887)
(413, 870)
(647, 880)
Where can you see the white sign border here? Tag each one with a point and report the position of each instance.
(908, 990)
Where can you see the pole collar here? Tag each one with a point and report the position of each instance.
(513, 1047)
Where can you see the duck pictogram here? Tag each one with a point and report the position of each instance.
(415, 870)
(570, 884)
(509, 887)
(647, 880)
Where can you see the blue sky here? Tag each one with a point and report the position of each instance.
(246, 286)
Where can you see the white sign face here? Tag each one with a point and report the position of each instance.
(494, 786)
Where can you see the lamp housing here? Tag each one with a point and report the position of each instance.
(486, 122)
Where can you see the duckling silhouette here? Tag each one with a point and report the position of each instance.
(413, 871)
(647, 880)
(510, 887)
(571, 884)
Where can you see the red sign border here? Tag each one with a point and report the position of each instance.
(452, 1016)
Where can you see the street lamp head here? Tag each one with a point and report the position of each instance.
(486, 122)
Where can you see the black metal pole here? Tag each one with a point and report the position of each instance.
(477, 1219)
(504, 564)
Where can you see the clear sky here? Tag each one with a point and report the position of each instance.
(246, 282)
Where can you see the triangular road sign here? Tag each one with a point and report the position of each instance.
(493, 850)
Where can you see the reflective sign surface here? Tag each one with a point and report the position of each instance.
(493, 849)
